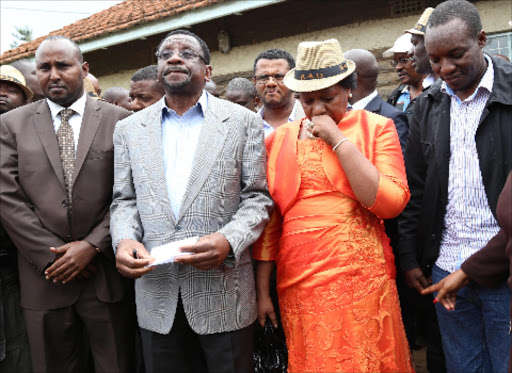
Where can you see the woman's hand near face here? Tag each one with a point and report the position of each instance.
(327, 130)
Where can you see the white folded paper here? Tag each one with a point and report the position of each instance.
(170, 251)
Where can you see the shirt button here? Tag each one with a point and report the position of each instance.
(64, 204)
(178, 227)
(433, 236)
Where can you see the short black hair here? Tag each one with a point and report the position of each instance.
(62, 37)
(242, 85)
(350, 82)
(146, 73)
(275, 54)
(201, 42)
(457, 9)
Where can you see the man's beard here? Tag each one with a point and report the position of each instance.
(276, 103)
(176, 85)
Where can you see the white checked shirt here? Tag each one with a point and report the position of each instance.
(180, 135)
(469, 222)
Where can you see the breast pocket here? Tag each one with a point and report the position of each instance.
(100, 154)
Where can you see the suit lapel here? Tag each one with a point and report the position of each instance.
(211, 141)
(43, 124)
(90, 124)
(154, 161)
(374, 105)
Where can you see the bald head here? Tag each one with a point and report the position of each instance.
(28, 69)
(367, 69)
(118, 96)
(95, 83)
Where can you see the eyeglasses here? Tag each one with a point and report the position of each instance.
(264, 79)
(401, 61)
(186, 54)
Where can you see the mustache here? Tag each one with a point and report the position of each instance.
(170, 69)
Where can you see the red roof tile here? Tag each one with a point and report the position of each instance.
(119, 17)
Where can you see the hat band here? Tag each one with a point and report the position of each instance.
(10, 79)
(326, 72)
(421, 28)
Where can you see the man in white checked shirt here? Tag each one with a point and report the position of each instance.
(457, 160)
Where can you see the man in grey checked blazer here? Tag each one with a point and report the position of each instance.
(195, 314)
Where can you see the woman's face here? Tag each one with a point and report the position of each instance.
(332, 101)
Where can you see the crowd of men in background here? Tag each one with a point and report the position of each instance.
(450, 93)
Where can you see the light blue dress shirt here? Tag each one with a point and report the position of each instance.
(180, 135)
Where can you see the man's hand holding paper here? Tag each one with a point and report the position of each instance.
(209, 252)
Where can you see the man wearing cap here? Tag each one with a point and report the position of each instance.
(56, 179)
(279, 105)
(457, 161)
(14, 348)
(13, 89)
(418, 52)
(404, 97)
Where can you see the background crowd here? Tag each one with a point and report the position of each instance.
(317, 206)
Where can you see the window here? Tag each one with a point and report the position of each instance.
(408, 7)
(499, 44)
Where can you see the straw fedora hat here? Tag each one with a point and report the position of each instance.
(11, 74)
(320, 64)
(421, 25)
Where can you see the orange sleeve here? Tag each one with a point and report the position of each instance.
(267, 246)
(393, 192)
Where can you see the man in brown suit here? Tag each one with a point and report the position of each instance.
(56, 179)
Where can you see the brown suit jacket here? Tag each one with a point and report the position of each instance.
(33, 199)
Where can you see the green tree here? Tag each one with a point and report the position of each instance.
(22, 35)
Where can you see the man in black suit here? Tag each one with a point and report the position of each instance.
(366, 97)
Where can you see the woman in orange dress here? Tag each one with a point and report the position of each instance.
(333, 176)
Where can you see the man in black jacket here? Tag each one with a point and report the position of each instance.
(458, 157)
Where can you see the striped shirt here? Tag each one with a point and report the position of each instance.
(469, 222)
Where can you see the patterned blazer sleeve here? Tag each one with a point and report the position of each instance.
(255, 205)
(124, 216)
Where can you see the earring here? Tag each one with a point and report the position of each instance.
(350, 95)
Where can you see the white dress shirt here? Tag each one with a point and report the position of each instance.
(361, 104)
(75, 121)
(180, 135)
(469, 222)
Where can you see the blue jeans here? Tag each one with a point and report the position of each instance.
(476, 334)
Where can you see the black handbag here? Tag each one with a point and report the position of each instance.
(270, 352)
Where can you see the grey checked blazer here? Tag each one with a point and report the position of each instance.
(227, 193)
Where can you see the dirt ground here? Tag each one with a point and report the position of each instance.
(420, 360)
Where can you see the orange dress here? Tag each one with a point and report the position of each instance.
(337, 295)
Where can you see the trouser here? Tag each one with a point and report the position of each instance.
(14, 347)
(184, 351)
(56, 336)
(476, 334)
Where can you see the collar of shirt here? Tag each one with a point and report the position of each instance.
(361, 104)
(199, 109)
(267, 128)
(428, 81)
(486, 83)
(78, 106)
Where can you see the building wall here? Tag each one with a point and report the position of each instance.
(376, 35)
